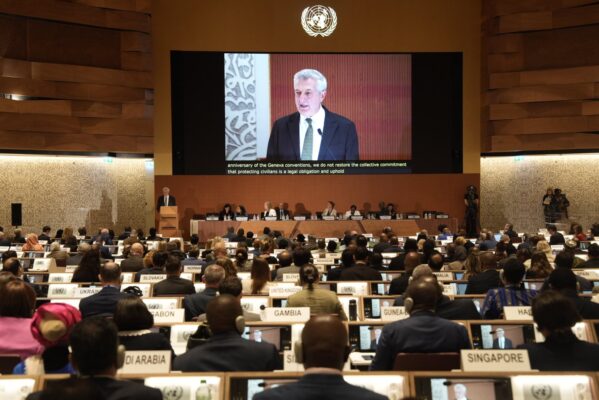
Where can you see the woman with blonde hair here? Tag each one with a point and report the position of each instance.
(543, 246)
(539, 266)
(472, 264)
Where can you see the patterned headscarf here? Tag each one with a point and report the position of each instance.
(52, 323)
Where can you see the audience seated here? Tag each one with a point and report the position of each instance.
(593, 260)
(134, 321)
(134, 261)
(555, 315)
(226, 350)
(422, 332)
(104, 302)
(196, 304)
(45, 235)
(17, 301)
(488, 279)
(565, 259)
(320, 301)
(539, 266)
(158, 262)
(173, 284)
(360, 270)
(51, 326)
(32, 244)
(301, 257)
(259, 282)
(285, 260)
(564, 281)
(75, 259)
(400, 284)
(512, 293)
(233, 287)
(96, 357)
(323, 357)
(555, 237)
(88, 269)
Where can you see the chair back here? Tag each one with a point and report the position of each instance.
(8, 362)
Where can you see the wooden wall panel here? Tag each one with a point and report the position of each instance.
(76, 75)
(540, 75)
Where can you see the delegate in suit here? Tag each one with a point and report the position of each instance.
(166, 200)
(313, 132)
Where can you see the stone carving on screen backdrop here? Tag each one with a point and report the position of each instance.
(240, 107)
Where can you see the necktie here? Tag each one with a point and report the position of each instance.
(307, 149)
(166, 201)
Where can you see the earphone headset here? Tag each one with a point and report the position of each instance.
(120, 356)
(240, 324)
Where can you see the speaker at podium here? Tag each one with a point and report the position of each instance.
(168, 222)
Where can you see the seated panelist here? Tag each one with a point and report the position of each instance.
(329, 210)
(352, 212)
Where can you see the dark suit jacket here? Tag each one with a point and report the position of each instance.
(567, 354)
(458, 309)
(229, 352)
(590, 263)
(132, 264)
(339, 139)
(195, 304)
(111, 389)
(507, 345)
(422, 332)
(171, 202)
(43, 236)
(586, 308)
(318, 386)
(148, 271)
(173, 285)
(380, 247)
(360, 272)
(481, 283)
(557, 238)
(399, 285)
(103, 302)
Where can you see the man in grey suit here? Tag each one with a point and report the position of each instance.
(196, 304)
(134, 261)
(301, 257)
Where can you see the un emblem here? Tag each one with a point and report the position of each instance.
(319, 20)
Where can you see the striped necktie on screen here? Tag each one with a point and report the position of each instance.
(307, 149)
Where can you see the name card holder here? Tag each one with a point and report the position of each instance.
(168, 316)
(444, 276)
(147, 362)
(289, 363)
(70, 268)
(518, 313)
(192, 268)
(17, 388)
(71, 302)
(127, 277)
(151, 278)
(81, 292)
(385, 217)
(354, 288)
(60, 277)
(328, 218)
(357, 217)
(270, 218)
(592, 274)
(291, 277)
(241, 218)
(390, 314)
(495, 361)
(288, 314)
(43, 264)
(254, 303)
(179, 336)
(161, 303)
(282, 292)
(450, 289)
(299, 218)
(187, 275)
(200, 287)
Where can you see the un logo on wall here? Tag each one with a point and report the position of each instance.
(319, 20)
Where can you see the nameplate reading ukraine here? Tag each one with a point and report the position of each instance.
(495, 360)
(389, 314)
(287, 314)
(517, 313)
(147, 362)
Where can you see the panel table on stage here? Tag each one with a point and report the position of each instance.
(209, 229)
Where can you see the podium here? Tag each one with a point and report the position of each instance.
(168, 222)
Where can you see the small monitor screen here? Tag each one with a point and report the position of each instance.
(279, 303)
(372, 307)
(365, 337)
(247, 388)
(280, 336)
(499, 336)
(463, 388)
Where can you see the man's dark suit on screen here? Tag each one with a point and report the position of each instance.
(506, 345)
(171, 202)
(318, 386)
(339, 139)
(101, 303)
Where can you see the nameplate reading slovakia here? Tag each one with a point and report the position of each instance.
(151, 278)
(166, 316)
(287, 314)
(495, 360)
(393, 313)
(283, 291)
(518, 313)
(290, 277)
(147, 362)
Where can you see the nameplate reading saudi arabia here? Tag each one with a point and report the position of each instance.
(393, 313)
(287, 314)
(283, 291)
(495, 360)
(519, 313)
(147, 362)
(162, 316)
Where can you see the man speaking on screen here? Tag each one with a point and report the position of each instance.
(313, 132)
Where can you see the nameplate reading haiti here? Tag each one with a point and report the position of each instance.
(147, 362)
(587, 273)
(283, 291)
(495, 360)
(166, 316)
(519, 313)
(393, 313)
(287, 314)
(151, 278)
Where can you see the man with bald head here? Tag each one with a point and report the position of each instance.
(422, 332)
(399, 285)
(323, 359)
(134, 261)
(488, 279)
(104, 302)
(226, 350)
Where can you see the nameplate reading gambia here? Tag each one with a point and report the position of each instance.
(519, 313)
(283, 291)
(495, 360)
(147, 362)
(162, 316)
(287, 314)
(393, 313)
